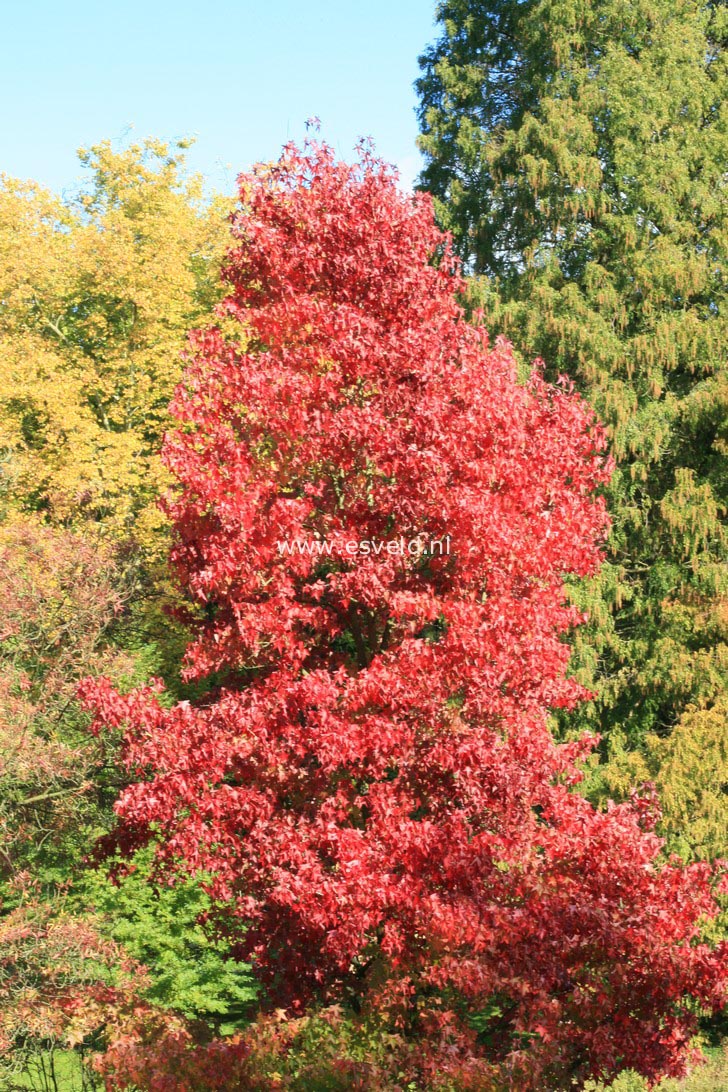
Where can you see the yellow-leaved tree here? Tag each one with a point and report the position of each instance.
(96, 296)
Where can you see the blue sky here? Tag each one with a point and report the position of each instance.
(242, 77)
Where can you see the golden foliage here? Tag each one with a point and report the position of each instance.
(96, 297)
(692, 781)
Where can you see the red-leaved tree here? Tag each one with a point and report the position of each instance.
(377, 519)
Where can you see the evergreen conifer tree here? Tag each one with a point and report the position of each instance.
(577, 151)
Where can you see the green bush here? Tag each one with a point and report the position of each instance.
(711, 1077)
(191, 971)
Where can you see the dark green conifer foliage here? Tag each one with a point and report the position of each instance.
(577, 149)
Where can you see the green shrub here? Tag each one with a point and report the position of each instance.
(711, 1077)
(190, 970)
